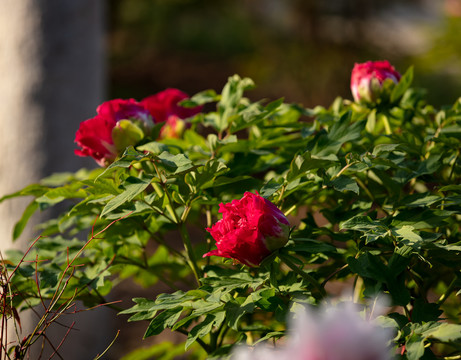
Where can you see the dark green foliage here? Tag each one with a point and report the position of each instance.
(378, 212)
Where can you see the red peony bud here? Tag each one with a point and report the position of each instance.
(250, 230)
(367, 79)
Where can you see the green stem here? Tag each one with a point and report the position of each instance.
(342, 170)
(290, 210)
(447, 293)
(319, 292)
(192, 261)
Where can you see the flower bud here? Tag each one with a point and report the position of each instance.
(250, 230)
(367, 80)
(126, 133)
(174, 128)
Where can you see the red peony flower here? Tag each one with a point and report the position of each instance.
(367, 79)
(115, 127)
(164, 107)
(251, 229)
(120, 109)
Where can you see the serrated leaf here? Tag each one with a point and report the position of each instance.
(153, 147)
(200, 330)
(301, 164)
(343, 183)
(269, 188)
(142, 304)
(176, 163)
(235, 311)
(125, 161)
(133, 187)
(49, 277)
(162, 321)
(342, 131)
(406, 233)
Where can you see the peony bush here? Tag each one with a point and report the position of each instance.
(294, 224)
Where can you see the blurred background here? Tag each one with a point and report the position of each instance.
(302, 50)
(60, 60)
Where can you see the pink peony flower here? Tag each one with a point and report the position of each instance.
(367, 79)
(335, 333)
(164, 107)
(104, 136)
(251, 228)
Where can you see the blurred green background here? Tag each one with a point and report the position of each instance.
(302, 50)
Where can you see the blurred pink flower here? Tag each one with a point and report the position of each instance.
(334, 333)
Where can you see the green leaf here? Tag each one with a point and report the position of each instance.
(133, 187)
(369, 266)
(414, 347)
(343, 183)
(420, 200)
(302, 164)
(230, 98)
(403, 85)
(269, 188)
(342, 131)
(176, 163)
(384, 148)
(223, 180)
(33, 190)
(124, 162)
(200, 98)
(49, 277)
(372, 229)
(236, 309)
(311, 246)
(406, 233)
(55, 196)
(425, 312)
(271, 335)
(444, 332)
(153, 147)
(21, 224)
(162, 321)
(142, 304)
(418, 219)
(200, 330)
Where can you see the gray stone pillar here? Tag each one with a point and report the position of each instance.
(52, 78)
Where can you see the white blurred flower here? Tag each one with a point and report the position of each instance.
(334, 333)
